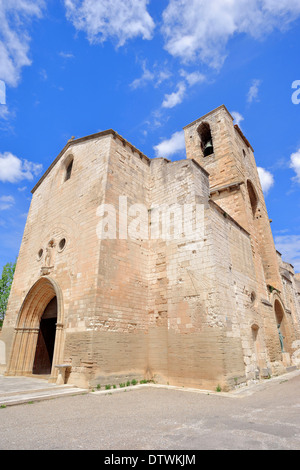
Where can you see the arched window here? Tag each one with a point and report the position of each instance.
(252, 196)
(69, 170)
(66, 168)
(206, 139)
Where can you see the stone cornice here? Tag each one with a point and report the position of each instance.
(228, 187)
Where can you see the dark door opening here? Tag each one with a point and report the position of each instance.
(46, 340)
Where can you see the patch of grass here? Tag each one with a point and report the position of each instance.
(218, 388)
(3, 406)
(107, 387)
(133, 382)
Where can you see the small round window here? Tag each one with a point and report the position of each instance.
(62, 244)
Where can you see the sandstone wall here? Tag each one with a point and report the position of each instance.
(195, 305)
(232, 168)
(64, 209)
(114, 345)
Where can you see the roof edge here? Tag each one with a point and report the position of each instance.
(225, 214)
(70, 143)
(238, 129)
(208, 114)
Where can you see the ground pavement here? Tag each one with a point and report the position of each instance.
(265, 416)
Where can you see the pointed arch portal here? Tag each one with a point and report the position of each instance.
(38, 340)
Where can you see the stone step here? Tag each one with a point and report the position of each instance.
(29, 396)
(37, 390)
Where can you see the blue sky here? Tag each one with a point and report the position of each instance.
(147, 69)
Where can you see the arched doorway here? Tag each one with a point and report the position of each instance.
(46, 340)
(38, 341)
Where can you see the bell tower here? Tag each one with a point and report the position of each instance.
(221, 148)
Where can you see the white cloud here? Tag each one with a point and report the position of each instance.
(12, 169)
(156, 77)
(66, 55)
(295, 165)
(156, 119)
(162, 76)
(266, 179)
(193, 78)
(6, 202)
(15, 17)
(2, 93)
(200, 30)
(171, 146)
(175, 98)
(145, 78)
(43, 75)
(289, 246)
(238, 118)
(253, 91)
(118, 19)
(4, 112)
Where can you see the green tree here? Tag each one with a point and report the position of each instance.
(5, 286)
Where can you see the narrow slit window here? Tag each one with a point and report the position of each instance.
(69, 171)
(253, 197)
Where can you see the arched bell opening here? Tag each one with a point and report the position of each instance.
(206, 139)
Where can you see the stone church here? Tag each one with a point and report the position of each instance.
(219, 308)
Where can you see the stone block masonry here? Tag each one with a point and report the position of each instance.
(160, 270)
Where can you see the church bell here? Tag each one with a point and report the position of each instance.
(208, 148)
